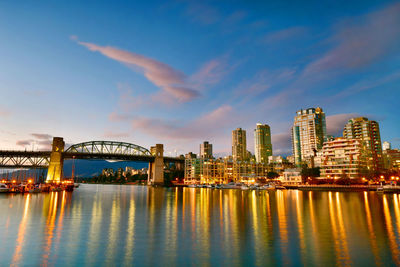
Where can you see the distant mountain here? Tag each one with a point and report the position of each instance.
(88, 168)
(83, 168)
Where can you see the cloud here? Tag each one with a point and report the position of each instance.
(117, 117)
(368, 84)
(361, 41)
(281, 143)
(42, 136)
(335, 123)
(202, 13)
(206, 126)
(285, 34)
(160, 74)
(111, 134)
(39, 142)
(212, 72)
(4, 112)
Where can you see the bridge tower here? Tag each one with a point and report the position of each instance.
(156, 168)
(55, 170)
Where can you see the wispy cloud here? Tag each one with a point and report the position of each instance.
(39, 141)
(335, 123)
(160, 74)
(112, 134)
(361, 41)
(285, 34)
(212, 72)
(281, 143)
(206, 126)
(368, 84)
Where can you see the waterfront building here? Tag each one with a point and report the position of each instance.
(291, 176)
(290, 159)
(344, 158)
(368, 132)
(239, 147)
(262, 143)
(308, 133)
(386, 145)
(206, 150)
(211, 171)
(392, 159)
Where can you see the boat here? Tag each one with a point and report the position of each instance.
(56, 189)
(245, 187)
(35, 190)
(279, 187)
(4, 188)
(76, 185)
(209, 186)
(192, 186)
(231, 185)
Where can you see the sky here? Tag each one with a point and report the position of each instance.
(182, 72)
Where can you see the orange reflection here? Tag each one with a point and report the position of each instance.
(283, 227)
(299, 204)
(342, 232)
(50, 225)
(391, 235)
(21, 233)
(371, 231)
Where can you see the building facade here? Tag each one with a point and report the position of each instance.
(368, 132)
(386, 145)
(291, 176)
(308, 133)
(392, 159)
(262, 143)
(344, 158)
(239, 146)
(221, 171)
(206, 150)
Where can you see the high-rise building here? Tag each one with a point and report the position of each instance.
(368, 132)
(308, 133)
(239, 150)
(343, 158)
(262, 143)
(386, 145)
(206, 150)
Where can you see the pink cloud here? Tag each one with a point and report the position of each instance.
(160, 74)
(285, 34)
(205, 126)
(335, 123)
(361, 41)
(111, 134)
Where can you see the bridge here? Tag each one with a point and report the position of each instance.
(109, 150)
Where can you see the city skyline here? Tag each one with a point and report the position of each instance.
(106, 75)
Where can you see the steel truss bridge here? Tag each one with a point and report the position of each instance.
(108, 150)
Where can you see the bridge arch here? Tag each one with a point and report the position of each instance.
(109, 147)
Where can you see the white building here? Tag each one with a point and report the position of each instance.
(291, 176)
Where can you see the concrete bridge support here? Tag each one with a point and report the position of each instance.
(156, 168)
(55, 170)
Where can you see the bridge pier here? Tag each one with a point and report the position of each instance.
(55, 170)
(156, 168)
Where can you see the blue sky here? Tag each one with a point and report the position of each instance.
(182, 72)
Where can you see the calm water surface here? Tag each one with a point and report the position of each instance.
(100, 225)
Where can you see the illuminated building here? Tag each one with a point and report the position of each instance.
(344, 158)
(262, 143)
(239, 147)
(368, 132)
(392, 159)
(206, 150)
(210, 171)
(386, 145)
(291, 176)
(308, 133)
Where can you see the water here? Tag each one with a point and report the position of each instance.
(102, 225)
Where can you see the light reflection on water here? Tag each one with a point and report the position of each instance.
(121, 225)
